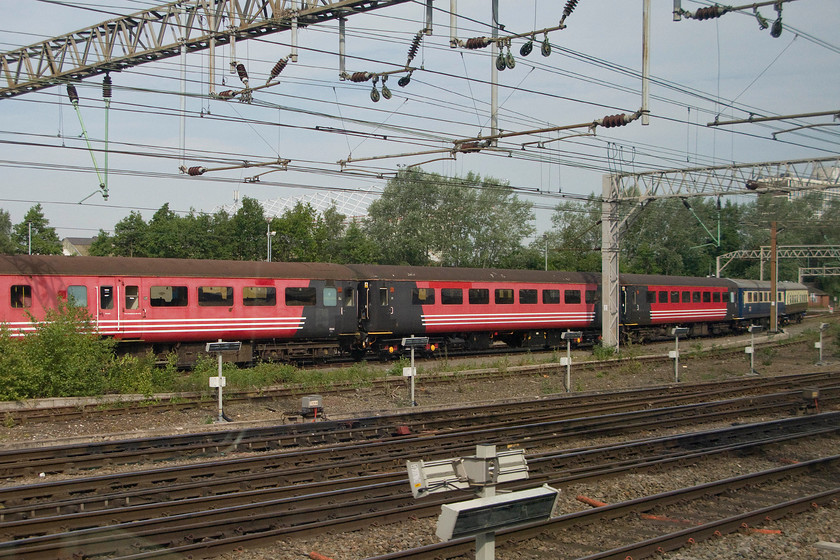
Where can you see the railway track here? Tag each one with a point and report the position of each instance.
(639, 528)
(171, 525)
(20, 413)
(557, 412)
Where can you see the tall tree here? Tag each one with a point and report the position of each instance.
(248, 232)
(572, 242)
(295, 234)
(7, 246)
(164, 237)
(36, 227)
(456, 221)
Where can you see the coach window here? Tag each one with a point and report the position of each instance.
(106, 297)
(21, 296)
(132, 297)
(716, 297)
(592, 296)
(675, 297)
(504, 296)
(259, 296)
(349, 296)
(527, 296)
(695, 297)
(168, 296)
(479, 296)
(551, 296)
(330, 297)
(650, 297)
(707, 297)
(215, 296)
(77, 296)
(571, 296)
(451, 296)
(301, 296)
(663, 297)
(383, 297)
(686, 297)
(423, 296)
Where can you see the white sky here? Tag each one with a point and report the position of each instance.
(725, 67)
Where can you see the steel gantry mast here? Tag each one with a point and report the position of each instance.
(634, 190)
(160, 33)
(783, 252)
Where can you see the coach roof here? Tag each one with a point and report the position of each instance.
(35, 265)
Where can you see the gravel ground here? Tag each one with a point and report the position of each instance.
(798, 533)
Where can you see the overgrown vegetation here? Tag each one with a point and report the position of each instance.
(60, 356)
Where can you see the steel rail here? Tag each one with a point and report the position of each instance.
(32, 461)
(72, 458)
(374, 490)
(674, 540)
(281, 512)
(191, 400)
(299, 466)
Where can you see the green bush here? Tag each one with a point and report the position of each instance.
(61, 357)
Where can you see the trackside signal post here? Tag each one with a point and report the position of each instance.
(819, 345)
(753, 330)
(569, 336)
(219, 348)
(489, 512)
(674, 354)
(413, 342)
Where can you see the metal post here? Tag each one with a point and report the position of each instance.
(294, 54)
(821, 347)
(342, 30)
(752, 354)
(268, 238)
(568, 366)
(774, 279)
(819, 344)
(676, 358)
(183, 101)
(609, 263)
(221, 413)
(453, 23)
(646, 63)
(677, 332)
(413, 372)
(494, 74)
(485, 543)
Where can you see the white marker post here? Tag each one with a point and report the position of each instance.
(220, 347)
(753, 329)
(413, 342)
(569, 336)
(677, 332)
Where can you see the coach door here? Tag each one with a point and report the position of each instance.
(106, 308)
(130, 321)
(340, 306)
(378, 307)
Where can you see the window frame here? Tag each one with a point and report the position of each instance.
(270, 299)
(179, 296)
(202, 296)
(301, 296)
(452, 296)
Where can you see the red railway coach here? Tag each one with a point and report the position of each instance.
(652, 304)
(472, 308)
(174, 305)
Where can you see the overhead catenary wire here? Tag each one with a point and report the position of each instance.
(372, 122)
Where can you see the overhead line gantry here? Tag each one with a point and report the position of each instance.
(159, 33)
